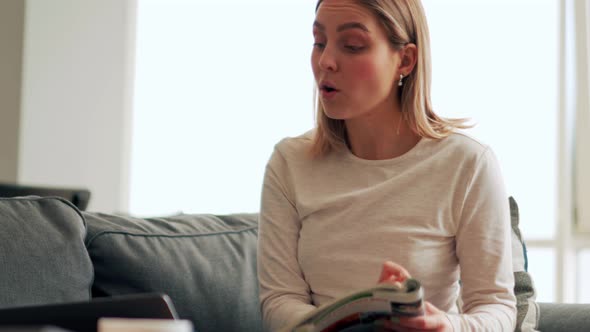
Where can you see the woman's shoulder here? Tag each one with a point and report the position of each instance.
(292, 152)
(460, 145)
(467, 142)
(296, 146)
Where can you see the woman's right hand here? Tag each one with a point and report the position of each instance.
(433, 319)
(392, 273)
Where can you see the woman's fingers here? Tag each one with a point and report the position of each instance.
(430, 309)
(432, 320)
(393, 273)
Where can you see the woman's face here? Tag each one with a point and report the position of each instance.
(354, 65)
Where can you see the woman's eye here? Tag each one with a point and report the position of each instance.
(319, 45)
(354, 48)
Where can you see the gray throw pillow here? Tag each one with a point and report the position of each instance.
(205, 263)
(527, 318)
(42, 253)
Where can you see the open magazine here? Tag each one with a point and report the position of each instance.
(364, 307)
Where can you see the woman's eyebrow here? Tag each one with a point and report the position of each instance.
(318, 25)
(352, 25)
(342, 27)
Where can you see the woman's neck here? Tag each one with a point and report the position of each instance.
(380, 136)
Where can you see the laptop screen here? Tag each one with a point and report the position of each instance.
(83, 316)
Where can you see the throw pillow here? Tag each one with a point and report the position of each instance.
(205, 263)
(527, 318)
(42, 252)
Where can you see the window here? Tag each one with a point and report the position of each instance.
(501, 70)
(209, 107)
(583, 274)
(219, 83)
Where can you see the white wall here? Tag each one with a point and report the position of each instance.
(76, 96)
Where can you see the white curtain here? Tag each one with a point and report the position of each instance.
(582, 117)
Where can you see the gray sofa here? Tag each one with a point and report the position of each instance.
(51, 252)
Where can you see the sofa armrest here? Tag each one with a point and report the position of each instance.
(564, 317)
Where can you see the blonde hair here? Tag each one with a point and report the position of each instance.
(404, 22)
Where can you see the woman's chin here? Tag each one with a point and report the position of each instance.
(335, 114)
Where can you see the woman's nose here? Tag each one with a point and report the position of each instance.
(327, 61)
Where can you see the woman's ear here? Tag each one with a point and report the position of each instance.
(409, 57)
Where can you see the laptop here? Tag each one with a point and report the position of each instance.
(83, 316)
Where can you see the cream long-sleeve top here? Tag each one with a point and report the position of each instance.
(440, 210)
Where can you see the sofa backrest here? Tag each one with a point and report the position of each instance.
(42, 255)
(80, 197)
(205, 263)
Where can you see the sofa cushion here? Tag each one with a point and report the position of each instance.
(564, 317)
(42, 253)
(527, 318)
(205, 263)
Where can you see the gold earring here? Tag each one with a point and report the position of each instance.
(400, 83)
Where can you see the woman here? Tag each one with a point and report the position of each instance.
(383, 183)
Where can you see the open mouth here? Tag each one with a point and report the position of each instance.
(328, 88)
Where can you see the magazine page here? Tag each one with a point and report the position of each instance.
(364, 308)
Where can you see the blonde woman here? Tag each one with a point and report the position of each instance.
(383, 188)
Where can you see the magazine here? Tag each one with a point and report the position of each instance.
(364, 307)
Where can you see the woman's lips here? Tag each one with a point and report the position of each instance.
(328, 90)
(328, 93)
